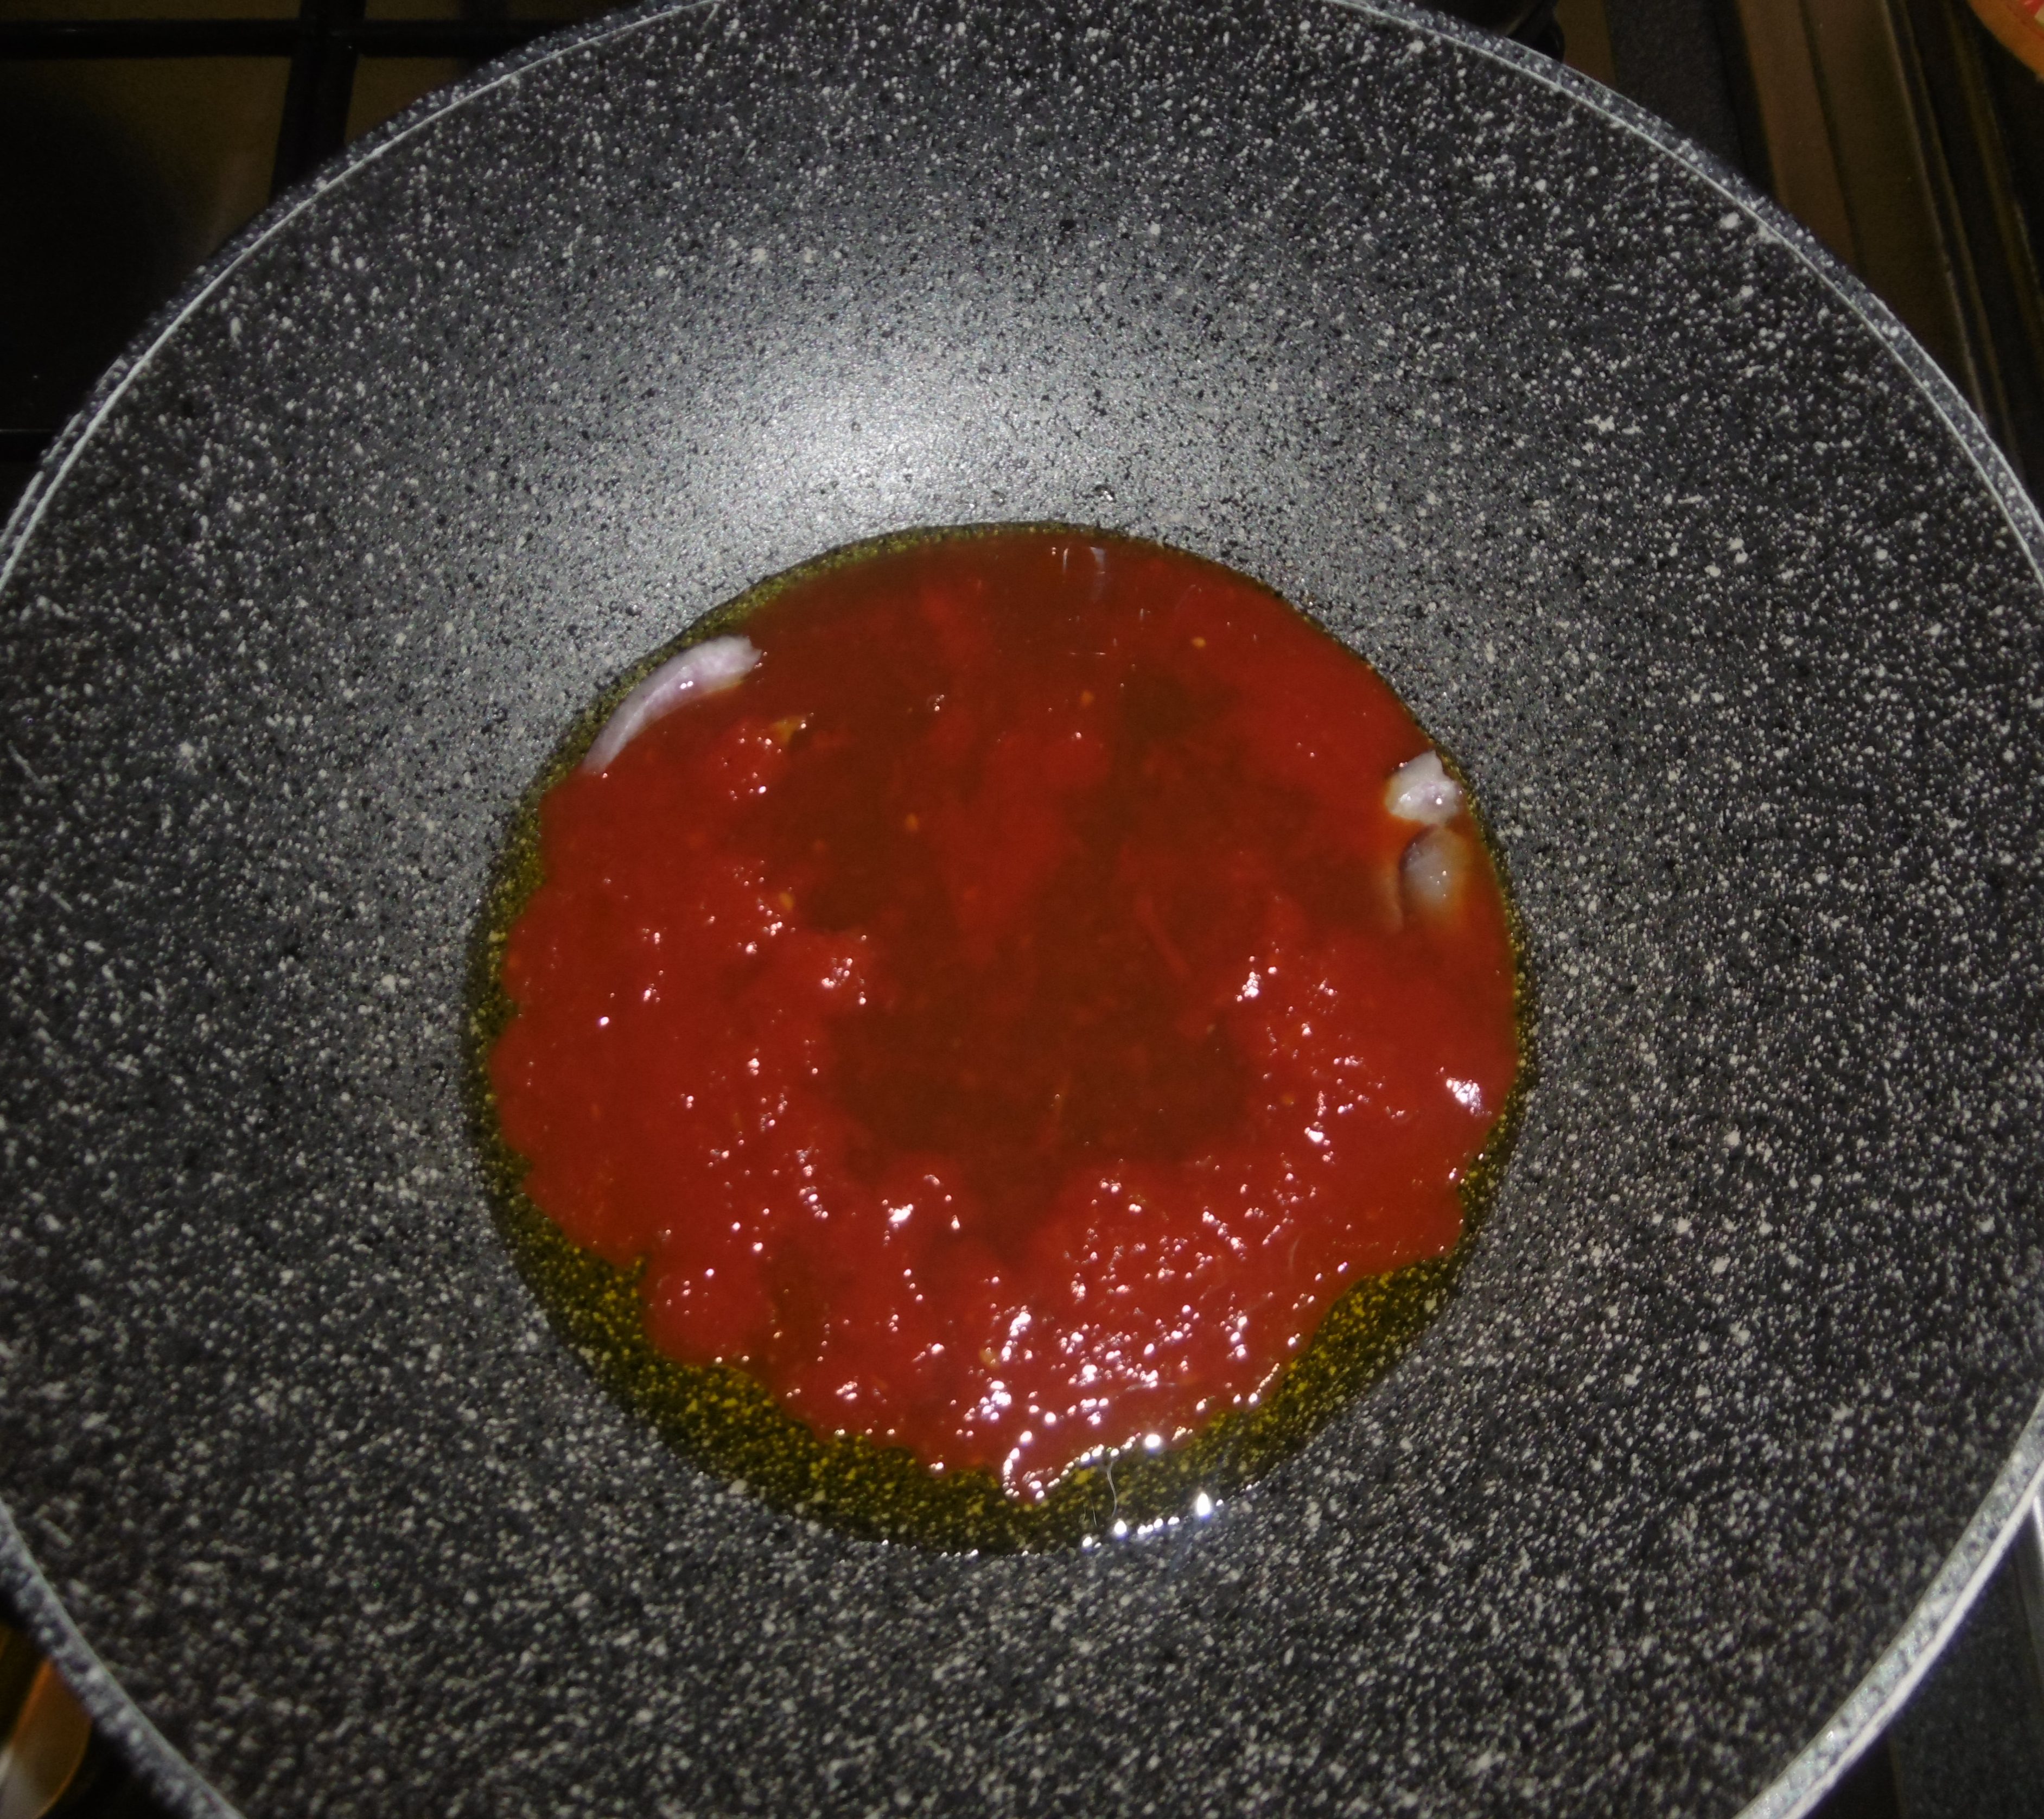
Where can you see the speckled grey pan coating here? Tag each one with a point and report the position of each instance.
(1658, 522)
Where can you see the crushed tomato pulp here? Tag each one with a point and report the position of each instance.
(1008, 1016)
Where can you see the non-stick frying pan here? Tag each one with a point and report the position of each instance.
(1661, 524)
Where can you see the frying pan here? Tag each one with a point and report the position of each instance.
(1657, 519)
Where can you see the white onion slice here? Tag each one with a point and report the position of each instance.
(1433, 869)
(701, 669)
(1421, 791)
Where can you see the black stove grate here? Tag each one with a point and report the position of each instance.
(325, 44)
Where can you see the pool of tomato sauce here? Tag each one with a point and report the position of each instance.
(992, 1035)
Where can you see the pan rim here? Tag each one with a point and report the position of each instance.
(1808, 1775)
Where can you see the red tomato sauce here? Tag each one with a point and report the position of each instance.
(1004, 1021)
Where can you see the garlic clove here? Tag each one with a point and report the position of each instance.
(1421, 791)
(706, 668)
(1433, 871)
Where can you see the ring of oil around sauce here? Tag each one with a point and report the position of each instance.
(729, 1425)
